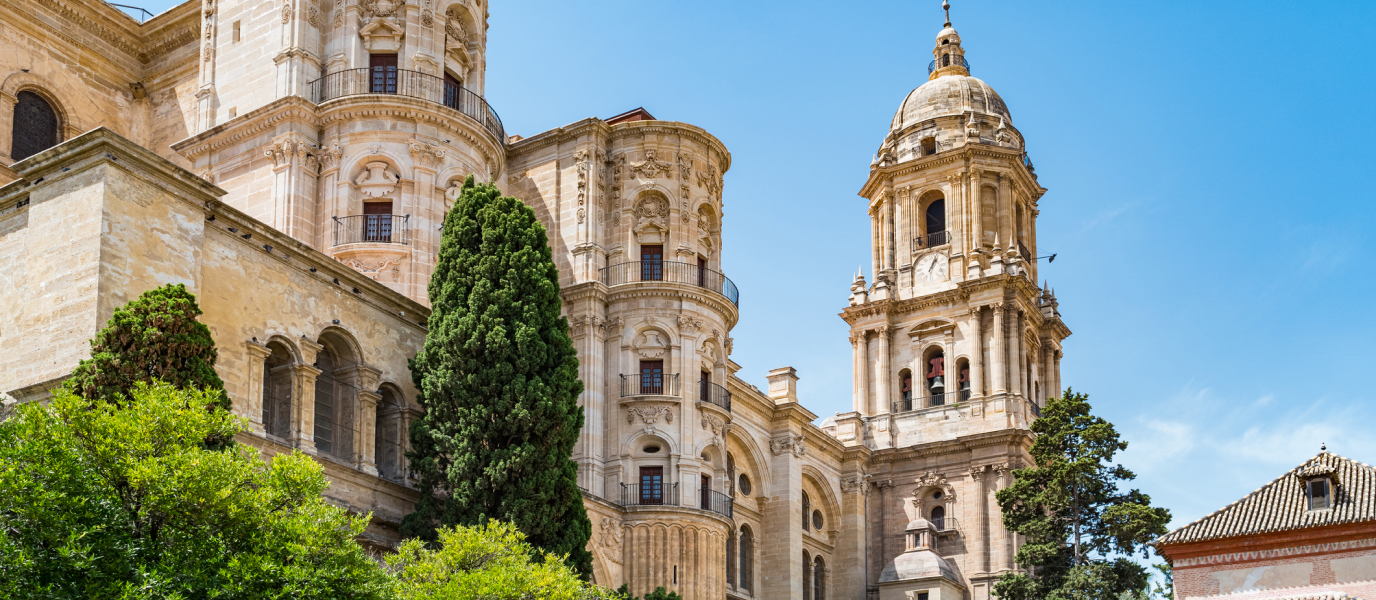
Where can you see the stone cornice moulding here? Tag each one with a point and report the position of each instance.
(103, 146)
(662, 289)
(249, 125)
(611, 134)
(968, 153)
(365, 106)
(1024, 290)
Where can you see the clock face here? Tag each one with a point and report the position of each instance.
(931, 267)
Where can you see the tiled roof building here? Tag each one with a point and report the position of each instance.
(1309, 534)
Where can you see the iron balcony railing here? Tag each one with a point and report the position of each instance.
(932, 240)
(655, 494)
(649, 384)
(716, 502)
(909, 404)
(672, 272)
(1027, 162)
(412, 84)
(384, 229)
(715, 394)
(947, 61)
(1036, 410)
(945, 524)
(1024, 252)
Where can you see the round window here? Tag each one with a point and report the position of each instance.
(817, 520)
(744, 485)
(651, 449)
(936, 495)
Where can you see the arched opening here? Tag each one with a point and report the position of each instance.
(929, 146)
(388, 432)
(934, 376)
(905, 386)
(963, 371)
(819, 579)
(945, 60)
(747, 557)
(934, 222)
(938, 519)
(731, 543)
(277, 384)
(334, 399)
(807, 576)
(36, 126)
(807, 511)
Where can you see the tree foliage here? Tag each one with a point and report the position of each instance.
(123, 500)
(156, 336)
(498, 378)
(492, 562)
(1080, 528)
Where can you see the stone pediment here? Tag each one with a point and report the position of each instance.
(932, 327)
(382, 35)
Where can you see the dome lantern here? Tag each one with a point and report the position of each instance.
(948, 57)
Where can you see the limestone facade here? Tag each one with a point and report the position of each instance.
(291, 162)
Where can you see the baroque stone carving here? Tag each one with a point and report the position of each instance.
(710, 180)
(427, 155)
(788, 443)
(651, 345)
(685, 167)
(286, 11)
(651, 167)
(858, 483)
(381, 8)
(329, 156)
(377, 180)
(649, 415)
(689, 325)
(374, 268)
(611, 536)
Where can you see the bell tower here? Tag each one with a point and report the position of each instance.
(956, 346)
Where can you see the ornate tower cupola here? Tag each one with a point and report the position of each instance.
(948, 58)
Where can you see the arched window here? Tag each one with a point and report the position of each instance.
(935, 221)
(934, 376)
(277, 384)
(35, 126)
(819, 579)
(905, 378)
(945, 60)
(747, 556)
(963, 370)
(388, 431)
(939, 518)
(807, 510)
(731, 542)
(333, 410)
(807, 576)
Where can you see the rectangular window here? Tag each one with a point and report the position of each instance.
(702, 272)
(705, 387)
(706, 492)
(651, 377)
(377, 222)
(652, 485)
(1318, 494)
(651, 262)
(236, 31)
(453, 95)
(384, 73)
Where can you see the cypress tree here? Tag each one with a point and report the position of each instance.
(498, 378)
(156, 336)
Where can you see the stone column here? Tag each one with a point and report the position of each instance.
(1003, 546)
(1016, 348)
(876, 246)
(884, 396)
(1056, 373)
(303, 396)
(780, 545)
(976, 352)
(998, 356)
(980, 502)
(850, 548)
(860, 342)
(889, 242)
(365, 434)
(253, 404)
(976, 211)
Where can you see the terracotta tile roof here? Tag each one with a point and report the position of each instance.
(1282, 505)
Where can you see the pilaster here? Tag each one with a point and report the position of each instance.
(253, 405)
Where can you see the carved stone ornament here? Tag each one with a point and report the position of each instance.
(685, 167)
(714, 423)
(788, 443)
(652, 208)
(329, 156)
(651, 345)
(377, 180)
(286, 11)
(312, 13)
(688, 325)
(427, 155)
(381, 8)
(709, 180)
(611, 536)
(649, 415)
(284, 152)
(651, 167)
(338, 13)
(376, 267)
(933, 480)
(613, 326)
(858, 483)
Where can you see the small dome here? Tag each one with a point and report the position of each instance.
(950, 95)
(948, 35)
(918, 524)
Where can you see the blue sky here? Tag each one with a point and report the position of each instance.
(1206, 164)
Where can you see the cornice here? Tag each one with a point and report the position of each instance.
(1020, 437)
(679, 128)
(364, 106)
(610, 134)
(560, 135)
(964, 154)
(1024, 291)
(676, 291)
(587, 290)
(249, 125)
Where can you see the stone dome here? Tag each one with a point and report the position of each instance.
(918, 524)
(948, 96)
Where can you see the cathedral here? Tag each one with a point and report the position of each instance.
(291, 162)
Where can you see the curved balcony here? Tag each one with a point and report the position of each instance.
(413, 84)
(714, 394)
(668, 495)
(649, 384)
(672, 272)
(949, 61)
(375, 229)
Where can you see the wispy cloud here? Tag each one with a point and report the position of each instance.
(1104, 217)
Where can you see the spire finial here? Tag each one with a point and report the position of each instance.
(946, 6)
(1323, 447)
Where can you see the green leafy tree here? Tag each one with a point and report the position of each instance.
(1080, 528)
(492, 562)
(156, 336)
(498, 378)
(624, 593)
(122, 500)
